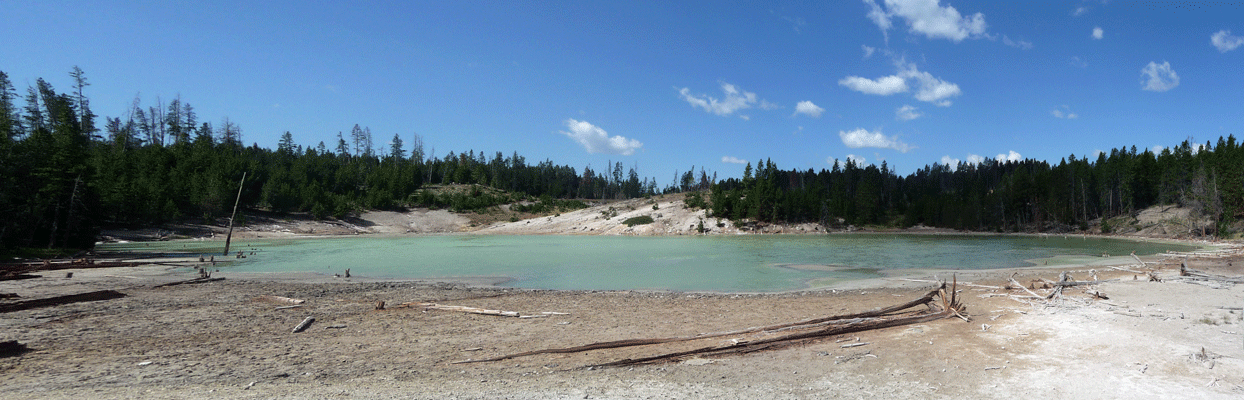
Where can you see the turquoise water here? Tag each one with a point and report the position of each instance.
(702, 263)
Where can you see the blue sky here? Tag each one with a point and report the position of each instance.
(664, 85)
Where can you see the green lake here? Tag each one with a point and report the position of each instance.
(751, 263)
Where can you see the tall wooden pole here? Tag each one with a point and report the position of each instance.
(229, 237)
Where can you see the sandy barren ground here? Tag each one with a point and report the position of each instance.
(1169, 339)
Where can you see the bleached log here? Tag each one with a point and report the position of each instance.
(280, 300)
(302, 326)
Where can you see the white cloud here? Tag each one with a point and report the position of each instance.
(1225, 42)
(1159, 77)
(1022, 44)
(932, 90)
(928, 87)
(868, 51)
(1157, 149)
(806, 107)
(1079, 11)
(859, 160)
(1098, 33)
(1063, 112)
(906, 113)
(596, 140)
(1078, 62)
(953, 163)
(863, 138)
(736, 99)
(883, 86)
(1009, 157)
(733, 160)
(928, 18)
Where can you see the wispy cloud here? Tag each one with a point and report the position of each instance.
(1225, 42)
(1079, 11)
(596, 140)
(868, 51)
(861, 137)
(809, 109)
(1098, 33)
(1158, 77)
(1020, 44)
(928, 18)
(906, 113)
(1063, 112)
(733, 160)
(735, 99)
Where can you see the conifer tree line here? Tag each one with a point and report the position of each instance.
(1009, 196)
(63, 175)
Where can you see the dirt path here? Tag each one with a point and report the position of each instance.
(217, 340)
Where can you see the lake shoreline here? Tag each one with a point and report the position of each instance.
(224, 340)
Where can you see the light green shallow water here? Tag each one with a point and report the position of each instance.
(702, 263)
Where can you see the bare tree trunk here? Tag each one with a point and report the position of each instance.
(229, 237)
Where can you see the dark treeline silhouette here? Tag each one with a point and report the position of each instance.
(1027, 195)
(62, 177)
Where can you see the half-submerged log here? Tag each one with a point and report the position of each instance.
(58, 300)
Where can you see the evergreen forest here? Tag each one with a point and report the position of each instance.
(64, 174)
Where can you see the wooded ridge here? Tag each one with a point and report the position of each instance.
(62, 177)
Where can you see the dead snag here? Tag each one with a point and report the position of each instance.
(58, 300)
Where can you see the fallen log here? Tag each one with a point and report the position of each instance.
(58, 300)
(279, 299)
(1190, 273)
(302, 326)
(465, 309)
(828, 326)
(189, 282)
(13, 276)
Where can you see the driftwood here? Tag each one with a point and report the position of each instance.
(1190, 273)
(58, 300)
(280, 300)
(302, 326)
(465, 309)
(190, 282)
(814, 329)
(13, 276)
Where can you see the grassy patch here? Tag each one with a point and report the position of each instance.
(644, 220)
